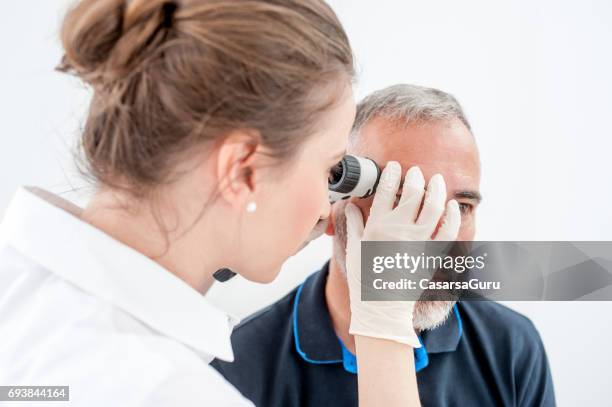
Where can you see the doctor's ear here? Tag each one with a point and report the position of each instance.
(236, 167)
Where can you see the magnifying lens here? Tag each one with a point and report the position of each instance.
(353, 176)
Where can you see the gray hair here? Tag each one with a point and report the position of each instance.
(407, 104)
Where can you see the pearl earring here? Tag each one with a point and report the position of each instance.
(251, 207)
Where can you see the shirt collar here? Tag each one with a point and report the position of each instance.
(315, 338)
(47, 229)
(316, 341)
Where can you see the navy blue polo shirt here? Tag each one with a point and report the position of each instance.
(484, 354)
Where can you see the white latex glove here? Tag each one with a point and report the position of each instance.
(393, 319)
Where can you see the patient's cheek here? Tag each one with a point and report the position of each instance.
(364, 206)
(467, 231)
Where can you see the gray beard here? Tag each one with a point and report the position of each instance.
(426, 314)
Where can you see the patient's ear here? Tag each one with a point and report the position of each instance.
(330, 230)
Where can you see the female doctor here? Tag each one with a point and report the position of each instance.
(210, 135)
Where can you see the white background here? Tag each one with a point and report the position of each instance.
(533, 77)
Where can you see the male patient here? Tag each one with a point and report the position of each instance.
(298, 352)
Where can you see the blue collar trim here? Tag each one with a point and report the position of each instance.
(316, 342)
(296, 337)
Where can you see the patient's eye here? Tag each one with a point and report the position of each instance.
(465, 208)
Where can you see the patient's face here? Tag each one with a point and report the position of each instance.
(447, 148)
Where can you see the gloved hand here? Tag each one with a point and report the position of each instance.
(393, 319)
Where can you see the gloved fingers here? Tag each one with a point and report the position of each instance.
(384, 198)
(354, 223)
(412, 193)
(433, 205)
(451, 223)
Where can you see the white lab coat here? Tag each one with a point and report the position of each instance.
(80, 309)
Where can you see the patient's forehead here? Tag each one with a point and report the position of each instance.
(445, 147)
